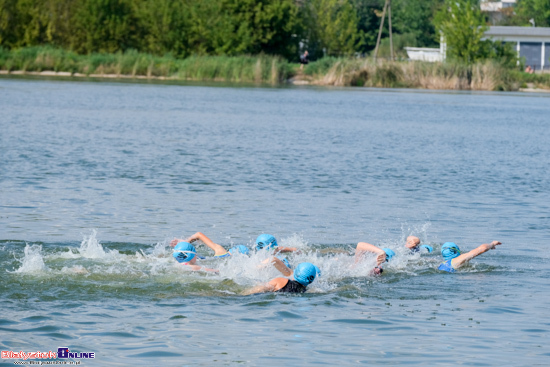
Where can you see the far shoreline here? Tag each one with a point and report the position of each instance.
(294, 81)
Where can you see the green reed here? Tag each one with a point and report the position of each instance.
(254, 69)
(332, 71)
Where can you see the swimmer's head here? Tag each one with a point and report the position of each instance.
(184, 252)
(265, 241)
(449, 250)
(239, 249)
(305, 273)
(412, 242)
(389, 253)
(285, 261)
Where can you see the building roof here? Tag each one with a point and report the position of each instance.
(518, 31)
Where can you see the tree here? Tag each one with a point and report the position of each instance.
(10, 30)
(538, 10)
(263, 25)
(333, 24)
(104, 26)
(415, 17)
(462, 25)
(368, 13)
(165, 26)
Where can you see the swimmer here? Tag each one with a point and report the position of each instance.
(382, 255)
(454, 259)
(219, 251)
(267, 242)
(413, 244)
(186, 254)
(304, 275)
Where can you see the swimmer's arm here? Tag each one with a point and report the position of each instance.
(218, 250)
(285, 249)
(363, 247)
(279, 265)
(202, 268)
(272, 286)
(460, 260)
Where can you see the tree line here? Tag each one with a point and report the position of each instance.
(238, 27)
(211, 27)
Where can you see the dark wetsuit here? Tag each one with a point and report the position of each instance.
(293, 287)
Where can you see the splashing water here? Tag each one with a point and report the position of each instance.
(33, 261)
(91, 248)
(338, 265)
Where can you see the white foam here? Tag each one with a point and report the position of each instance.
(90, 248)
(33, 262)
(296, 240)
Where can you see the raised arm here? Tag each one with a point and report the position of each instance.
(460, 260)
(280, 265)
(218, 250)
(363, 247)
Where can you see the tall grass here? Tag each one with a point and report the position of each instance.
(234, 68)
(488, 75)
(253, 69)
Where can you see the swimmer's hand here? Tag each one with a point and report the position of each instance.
(494, 244)
(175, 241)
(380, 258)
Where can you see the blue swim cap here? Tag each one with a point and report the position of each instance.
(427, 248)
(184, 252)
(389, 253)
(266, 241)
(239, 249)
(305, 273)
(285, 261)
(449, 250)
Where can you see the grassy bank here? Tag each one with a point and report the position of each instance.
(274, 70)
(253, 69)
(488, 75)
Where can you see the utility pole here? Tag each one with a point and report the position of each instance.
(387, 7)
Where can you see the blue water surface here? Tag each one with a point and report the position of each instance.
(97, 177)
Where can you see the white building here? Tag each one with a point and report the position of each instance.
(531, 43)
(425, 54)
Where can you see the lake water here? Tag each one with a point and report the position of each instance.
(97, 177)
